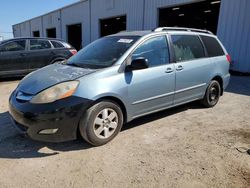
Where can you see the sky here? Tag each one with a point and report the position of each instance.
(16, 11)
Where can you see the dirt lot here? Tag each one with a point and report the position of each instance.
(188, 146)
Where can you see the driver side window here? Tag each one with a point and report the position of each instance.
(155, 50)
(14, 46)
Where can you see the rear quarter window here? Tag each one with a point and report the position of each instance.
(187, 47)
(212, 45)
(57, 44)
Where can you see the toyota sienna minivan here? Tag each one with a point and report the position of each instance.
(119, 78)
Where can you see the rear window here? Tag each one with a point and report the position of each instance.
(212, 45)
(57, 44)
(187, 47)
(39, 44)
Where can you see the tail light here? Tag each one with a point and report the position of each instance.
(73, 51)
(229, 58)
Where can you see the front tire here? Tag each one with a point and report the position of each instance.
(212, 94)
(101, 123)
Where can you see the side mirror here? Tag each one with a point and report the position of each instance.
(138, 64)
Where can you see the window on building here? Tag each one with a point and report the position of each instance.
(51, 33)
(74, 34)
(187, 47)
(113, 25)
(36, 33)
(39, 44)
(202, 14)
(212, 45)
(155, 50)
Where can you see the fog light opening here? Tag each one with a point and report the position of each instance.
(48, 131)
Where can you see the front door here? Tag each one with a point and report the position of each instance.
(13, 58)
(40, 53)
(151, 89)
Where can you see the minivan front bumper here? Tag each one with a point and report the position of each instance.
(54, 122)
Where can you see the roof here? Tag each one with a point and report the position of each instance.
(163, 29)
(132, 33)
(24, 38)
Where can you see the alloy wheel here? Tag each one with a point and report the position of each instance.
(105, 123)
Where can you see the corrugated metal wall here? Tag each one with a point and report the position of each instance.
(234, 32)
(51, 20)
(233, 27)
(36, 25)
(22, 30)
(16, 30)
(75, 14)
(101, 9)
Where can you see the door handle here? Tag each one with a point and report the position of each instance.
(169, 70)
(23, 54)
(180, 68)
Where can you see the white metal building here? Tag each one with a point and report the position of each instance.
(87, 20)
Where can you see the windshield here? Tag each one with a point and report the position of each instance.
(103, 52)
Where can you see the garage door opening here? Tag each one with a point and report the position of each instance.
(75, 35)
(200, 15)
(51, 33)
(36, 33)
(113, 25)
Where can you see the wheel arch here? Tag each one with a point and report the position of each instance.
(219, 79)
(118, 101)
(57, 59)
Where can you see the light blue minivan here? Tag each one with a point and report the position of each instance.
(119, 78)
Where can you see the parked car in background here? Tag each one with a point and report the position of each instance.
(117, 79)
(21, 56)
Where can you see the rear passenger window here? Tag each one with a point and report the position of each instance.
(155, 50)
(212, 45)
(187, 47)
(57, 44)
(39, 44)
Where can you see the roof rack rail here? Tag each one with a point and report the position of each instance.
(181, 29)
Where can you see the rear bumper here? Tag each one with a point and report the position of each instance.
(63, 116)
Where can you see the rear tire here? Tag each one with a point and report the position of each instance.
(101, 123)
(212, 94)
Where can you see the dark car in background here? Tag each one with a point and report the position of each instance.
(21, 56)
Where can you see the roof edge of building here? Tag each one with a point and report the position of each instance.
(59, 9)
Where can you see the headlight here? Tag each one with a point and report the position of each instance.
(59, 91)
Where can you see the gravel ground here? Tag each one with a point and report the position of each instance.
(188, 146)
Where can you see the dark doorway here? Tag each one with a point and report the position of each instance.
(200, 15)
(51, 33)
(113, 25)
(75, 35)
(36, 33)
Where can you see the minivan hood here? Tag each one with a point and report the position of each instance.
(49, 76)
